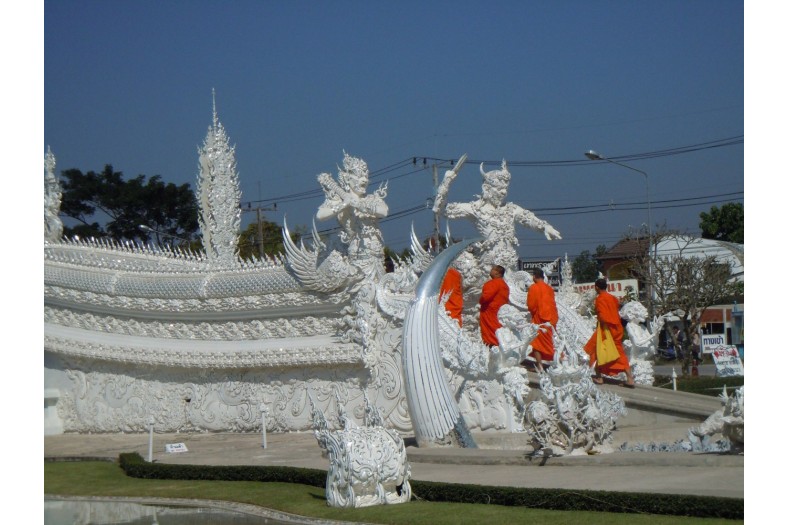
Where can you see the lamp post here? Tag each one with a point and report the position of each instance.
(593, 155)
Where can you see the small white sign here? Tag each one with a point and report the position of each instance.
(727, 360)
(710, 342)
(174, 448)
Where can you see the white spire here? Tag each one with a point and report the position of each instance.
(53, 226)
(219, 195)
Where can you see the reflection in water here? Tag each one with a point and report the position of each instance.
(84, 512)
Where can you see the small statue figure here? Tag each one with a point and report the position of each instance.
(514, 336)
(641, 345)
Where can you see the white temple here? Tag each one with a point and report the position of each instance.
(207, 342)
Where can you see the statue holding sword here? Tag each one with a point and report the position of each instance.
(493, 217)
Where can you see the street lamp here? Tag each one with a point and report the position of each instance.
(593, 155)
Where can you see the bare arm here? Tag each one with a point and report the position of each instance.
(527, 218)
(443, 190)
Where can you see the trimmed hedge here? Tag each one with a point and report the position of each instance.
(136, 467)
(707, 386)
(549, 499)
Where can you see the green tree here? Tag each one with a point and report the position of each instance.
(585, 268)
(686, 282)
(725, 223)
(106, 205)
(272, 240)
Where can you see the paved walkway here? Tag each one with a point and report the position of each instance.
(501, 460)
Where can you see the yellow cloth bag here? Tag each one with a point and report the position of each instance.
(606, 351)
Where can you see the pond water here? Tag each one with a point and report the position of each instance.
(89, 512)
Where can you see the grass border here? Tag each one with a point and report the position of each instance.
(536, 498)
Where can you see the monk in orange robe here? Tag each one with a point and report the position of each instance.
(495, 293)
(452, 285)
(607, 313)
(541, 304)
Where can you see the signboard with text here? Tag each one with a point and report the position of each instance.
(726, 358)
(709, 342)
(620, 289)
(175, 448)
(553, 279)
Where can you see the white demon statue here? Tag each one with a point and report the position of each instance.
(367, 465)
(494, 218)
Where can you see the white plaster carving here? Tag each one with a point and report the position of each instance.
(200, 341)
(729, 421)
(572, 415)
(237, 330)
(367, 465)
(112, 398)
(494, 218)
(53, 226)
(219, 195)
(641, 345)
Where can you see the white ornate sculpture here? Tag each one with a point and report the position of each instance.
(488, 383)
(433, 410)
(514, 335)
(729, 421)
(494, 218)
(200, 341)
(359, 269)
(566, 291)
(642, 341)
(357, 213)
(572, 415)
(219, 195)
(367, 465)
(53, 226)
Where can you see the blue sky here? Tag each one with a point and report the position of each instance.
(129, 83)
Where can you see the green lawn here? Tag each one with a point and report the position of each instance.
(707, 386)
(95, 478)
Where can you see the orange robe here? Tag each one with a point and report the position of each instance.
(495, 293)
(452, 285)
(607, 314)
(541, 304)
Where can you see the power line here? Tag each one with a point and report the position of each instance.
(414, 160)
(575, 210)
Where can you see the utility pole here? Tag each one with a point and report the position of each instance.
(259, 238)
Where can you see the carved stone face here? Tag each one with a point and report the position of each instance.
(357, 182)
(494, 191)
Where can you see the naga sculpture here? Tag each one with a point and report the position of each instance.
(433, 409)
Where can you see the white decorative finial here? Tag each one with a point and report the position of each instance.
(215, 116)
(53, 227)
